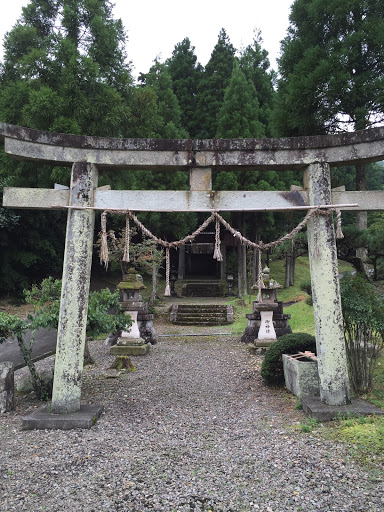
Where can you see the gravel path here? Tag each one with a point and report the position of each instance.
(192, 429)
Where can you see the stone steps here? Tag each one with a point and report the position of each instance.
(203, 289)
(195, 314)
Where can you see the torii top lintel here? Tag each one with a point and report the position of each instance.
(224, 154)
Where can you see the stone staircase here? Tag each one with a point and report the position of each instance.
(199, 314)
(203, 288)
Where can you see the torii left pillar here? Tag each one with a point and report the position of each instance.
(75, 291)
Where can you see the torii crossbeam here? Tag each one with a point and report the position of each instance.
(313, 155)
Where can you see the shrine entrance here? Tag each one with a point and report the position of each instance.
(199, 262)
(313, 155)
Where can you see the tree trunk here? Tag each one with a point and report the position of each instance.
(288, 264)
(293, 268)
(239, 270)
(244, 257)
(153, 297)
(88, 359)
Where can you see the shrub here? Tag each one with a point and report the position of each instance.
(363, 316)
(306, 286)
(272, 368)
(46, 301)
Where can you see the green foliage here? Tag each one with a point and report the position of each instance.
(363, 316)
(332, 71)
(362, 302)
(272, 368)
(306, 286)
(46, 299)
(301, 317)
(11, 326)
(298, 405)
(375, 242)
(254, 63)
(48, 290)
(212, 86)
(30, 247)
(64, 70)
(99, 319)
(144, 117)
(308, 425)
(346, 247)
(186, 73)
(363, 435)
(377, 394)
(239, 114)
(65, 67)
(169, 112)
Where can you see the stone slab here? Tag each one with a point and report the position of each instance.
(258, 343)
(130, 350)
(42, 419)
(313, 406)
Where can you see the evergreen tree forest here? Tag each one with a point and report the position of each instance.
(65, 69)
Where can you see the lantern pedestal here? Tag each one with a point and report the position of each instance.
(267, 334)
(267, 321)
(130, 343)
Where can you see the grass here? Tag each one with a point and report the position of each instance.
(363, 435)
(302, 319)
(308, 424)
(377, 394)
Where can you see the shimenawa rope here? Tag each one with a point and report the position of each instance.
(217, 252)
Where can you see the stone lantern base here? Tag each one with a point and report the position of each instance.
(280, 323)
(132, 348)
(130, 342)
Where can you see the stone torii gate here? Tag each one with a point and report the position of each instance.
(86, 155)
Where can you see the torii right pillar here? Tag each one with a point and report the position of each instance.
(329, 330)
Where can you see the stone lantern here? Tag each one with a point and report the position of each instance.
(130, 342)
(267, 322)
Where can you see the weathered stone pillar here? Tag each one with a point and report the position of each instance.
(7, 387)
(75, 291)
(332, 361)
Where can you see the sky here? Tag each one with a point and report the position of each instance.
(154, 27)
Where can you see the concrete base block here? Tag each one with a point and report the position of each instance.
(264, 343)
(301, 376)
(130, 350)
(313, 406)
(42, 419)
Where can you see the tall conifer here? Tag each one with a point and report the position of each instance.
(169, 124)
(211, 87)
(239, 114)
(255, 65)
(186, 73)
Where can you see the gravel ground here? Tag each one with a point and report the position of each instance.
(193, 429)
